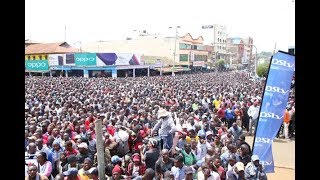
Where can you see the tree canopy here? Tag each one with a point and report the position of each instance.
(262, 69)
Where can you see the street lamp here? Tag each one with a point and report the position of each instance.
(175, 46)
(255, 60)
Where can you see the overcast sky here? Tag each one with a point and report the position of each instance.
(266, 21)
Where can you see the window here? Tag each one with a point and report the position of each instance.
(184, 57)
(200, 58)
(196, 57)
(194, 47)
(184, 46)
(200, 47)
(34, 57)
(29, 57)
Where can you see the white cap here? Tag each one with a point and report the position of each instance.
(239, 166)
(83, 145)
(254, 157)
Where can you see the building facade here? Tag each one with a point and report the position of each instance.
(192, 52)
(216, 35)
(220, 40)
(240, 50)
(61, 59)
(188, 51)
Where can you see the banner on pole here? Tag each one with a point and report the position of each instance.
(273, 106)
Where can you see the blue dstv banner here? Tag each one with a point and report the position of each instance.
(273, 106)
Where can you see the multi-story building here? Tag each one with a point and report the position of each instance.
(188, 51)
(240, 50)
(220, 40)
(248, 49)
(192, 51)
(216, 35)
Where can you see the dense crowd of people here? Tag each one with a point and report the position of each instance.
(183, 127)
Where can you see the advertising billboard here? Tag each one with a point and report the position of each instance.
(107, 59)
(56, 59)
(85, 59)
(36, 65)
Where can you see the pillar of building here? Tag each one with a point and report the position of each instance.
(50, 73)
(66, 73)
(134, 73)
(114, 73)
(148, 71)
(85, 73)
(160, 71)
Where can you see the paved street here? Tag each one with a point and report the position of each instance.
(284, 158)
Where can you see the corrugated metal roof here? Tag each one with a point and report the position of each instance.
(50, 48)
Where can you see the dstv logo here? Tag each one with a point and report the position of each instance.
(270, 115)
(263, 140)
(266, 163)
(276, 89)
(282, 63)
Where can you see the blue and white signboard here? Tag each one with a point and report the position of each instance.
(273, 106)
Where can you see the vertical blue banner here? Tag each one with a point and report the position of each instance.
(273, 106)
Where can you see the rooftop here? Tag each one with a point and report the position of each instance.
(50, 48)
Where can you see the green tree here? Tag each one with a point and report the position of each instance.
(262, 69)
(220, 64)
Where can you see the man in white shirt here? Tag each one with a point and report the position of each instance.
(254, 170)
(205, 173)
(237, 172)
(179, 169)
(42, 147)
(253, 113)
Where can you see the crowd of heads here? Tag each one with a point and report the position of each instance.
(60, 134)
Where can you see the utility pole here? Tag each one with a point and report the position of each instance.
(100, 149)
(275, 47)
(65, 33)
(30, 21)
(175, 46)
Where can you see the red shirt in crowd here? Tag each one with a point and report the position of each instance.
(44, 138)
(222, 112)
(74, 151)
(221, 172)
(111, 130)
(87, 123)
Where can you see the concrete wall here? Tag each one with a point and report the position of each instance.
(145, 47)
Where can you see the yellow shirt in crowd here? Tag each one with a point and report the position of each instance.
(188, 139)
(82, 175)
